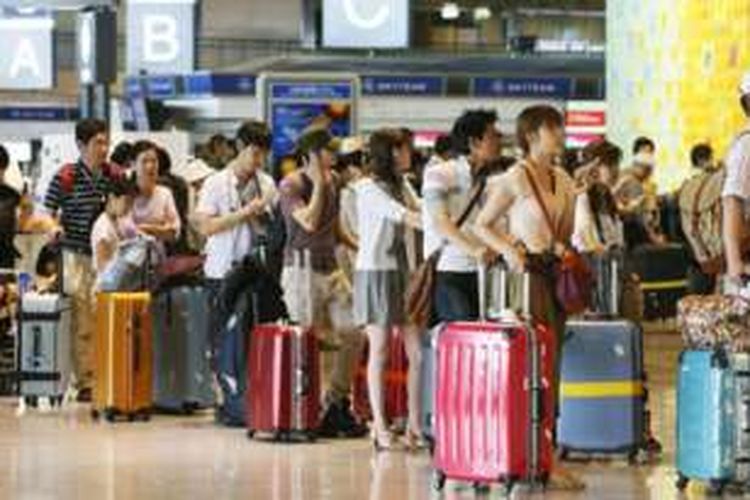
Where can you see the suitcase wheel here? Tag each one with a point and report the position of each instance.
(563, 453)
(682, 482)
(481, 488)
(438, 480)
(311, 436)
(110, 415)
(250, 434)
(715, 487)
(95, 414)
(143, 416)
(506, 488)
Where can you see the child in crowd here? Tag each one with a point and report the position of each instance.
(114, 225)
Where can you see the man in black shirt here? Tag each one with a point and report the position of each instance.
(77, 195)
(9, 201)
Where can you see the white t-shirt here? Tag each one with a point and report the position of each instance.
(105, 230)
(586, 236)
(737, 182)
(220, 196)
(446, 189)
(379, 217)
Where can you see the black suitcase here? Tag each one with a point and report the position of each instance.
(663, 273)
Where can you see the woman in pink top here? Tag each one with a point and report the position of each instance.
(154, 210)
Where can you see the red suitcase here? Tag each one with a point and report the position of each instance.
(395, 382)
(283, 394)
(494, 405)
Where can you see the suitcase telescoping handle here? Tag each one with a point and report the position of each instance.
(303, 271)
(615, 286)
(482, 273)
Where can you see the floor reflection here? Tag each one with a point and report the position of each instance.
(66, 456)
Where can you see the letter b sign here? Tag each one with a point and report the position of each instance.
(161, 36)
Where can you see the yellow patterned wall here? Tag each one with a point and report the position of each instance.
(673, 69)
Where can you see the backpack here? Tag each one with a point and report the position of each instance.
(700, 208)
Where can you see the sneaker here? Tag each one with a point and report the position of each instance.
(339, 421)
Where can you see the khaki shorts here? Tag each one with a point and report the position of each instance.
(319, 300)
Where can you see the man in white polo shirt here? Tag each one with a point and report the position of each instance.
(229, 202)
(736, 199)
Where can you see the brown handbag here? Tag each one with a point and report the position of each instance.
(574, 278)
(421, 289)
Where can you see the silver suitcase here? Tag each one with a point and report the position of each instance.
(45, 347)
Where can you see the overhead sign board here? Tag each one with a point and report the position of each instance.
(56, 4)
(366, 23)
(556, 88)
(389, 85)
(161, 36)
(27, 59)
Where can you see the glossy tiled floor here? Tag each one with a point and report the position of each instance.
(66, 456)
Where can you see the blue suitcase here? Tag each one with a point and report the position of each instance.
(705, 419)
(602, 394)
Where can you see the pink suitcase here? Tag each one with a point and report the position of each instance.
(494, 405)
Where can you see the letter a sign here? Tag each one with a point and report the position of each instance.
(161, 36)
(26, 61)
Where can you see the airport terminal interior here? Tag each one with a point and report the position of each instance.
(374, 249)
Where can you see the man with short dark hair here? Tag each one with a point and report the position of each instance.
(644, 145)
(448, 189)
(736, 196)
(702, 157)
(9, 202)
(77, 196)
(310, 204)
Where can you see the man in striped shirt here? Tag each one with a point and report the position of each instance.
(76, 196)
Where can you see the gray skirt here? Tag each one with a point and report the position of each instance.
(379, 298)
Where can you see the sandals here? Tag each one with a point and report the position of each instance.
(383, 441)
(415, 441)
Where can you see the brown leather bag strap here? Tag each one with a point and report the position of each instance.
(540, 201)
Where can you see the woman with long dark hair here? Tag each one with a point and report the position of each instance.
(386, 204)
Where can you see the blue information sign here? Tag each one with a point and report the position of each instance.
(403, 85)
(522, 87)
(218, 84)
(311, 90)
(41, 114)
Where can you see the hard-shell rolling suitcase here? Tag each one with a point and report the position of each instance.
(45, 347)
(395, 376)
(181, 349)
(123, 366)
(741, 367)
(283, 396)
(283, 376)
(494, 407)
(602, 393)
(706, 419)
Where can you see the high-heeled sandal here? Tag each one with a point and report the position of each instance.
(383, 441)
(415, 441)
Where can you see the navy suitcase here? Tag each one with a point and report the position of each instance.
(602, 383)
(706, 422)
(602, 394)
(182, 374)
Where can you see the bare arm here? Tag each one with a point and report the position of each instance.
(345, 237)
(208, 225)
(498, 203)
(105, 251)
(733, 231)
(309, 216)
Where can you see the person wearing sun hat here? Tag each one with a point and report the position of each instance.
(310, 205)
(735, 198)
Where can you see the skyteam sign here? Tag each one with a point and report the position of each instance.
(366, 23)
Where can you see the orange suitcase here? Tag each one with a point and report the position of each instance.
(122, 371)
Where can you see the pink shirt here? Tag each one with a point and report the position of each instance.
(159, 208)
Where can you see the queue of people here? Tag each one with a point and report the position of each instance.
(335, 231)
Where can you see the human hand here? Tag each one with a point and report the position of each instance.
(484, 255)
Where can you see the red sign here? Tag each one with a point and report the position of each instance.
(585, 119)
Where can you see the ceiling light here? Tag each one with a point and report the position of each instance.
(482, 13)
(450, 11)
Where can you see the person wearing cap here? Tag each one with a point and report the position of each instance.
(310, 205)
(636, 197)
(735, 198)
(194, 173)
(350, 166)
